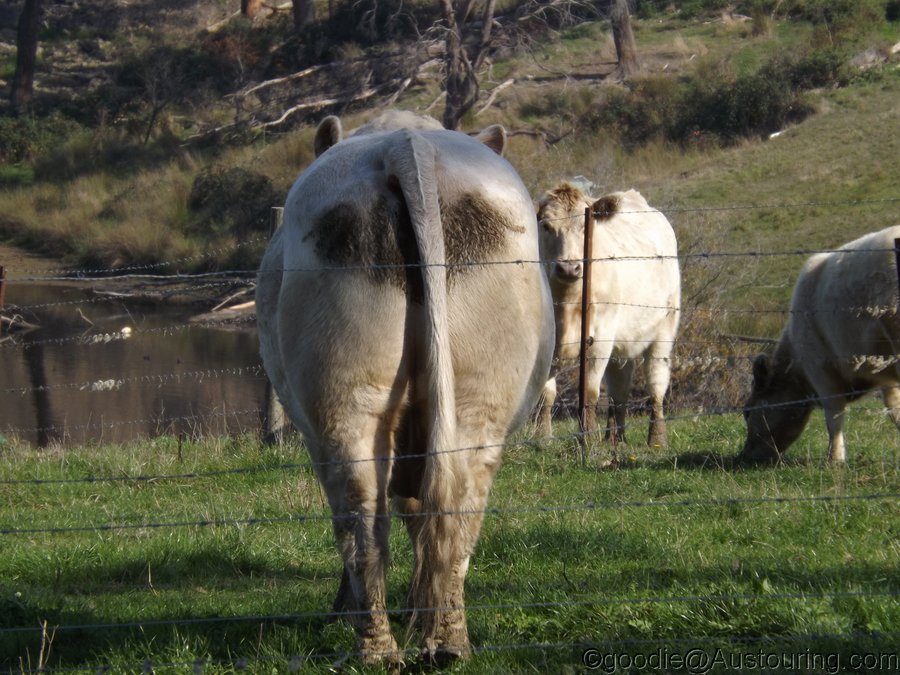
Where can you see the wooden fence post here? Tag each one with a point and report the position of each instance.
(586, 420)
(896, 260)
(276, 217)
(276, 422)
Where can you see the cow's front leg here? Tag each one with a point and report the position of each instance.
(834, 420)
(597, 363)
(545, 412)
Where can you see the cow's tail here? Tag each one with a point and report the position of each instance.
(440, 532)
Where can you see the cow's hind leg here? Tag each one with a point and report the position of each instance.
(657, 369)
(439, 590)
(891, 397)
(356, 490)
(619, 375)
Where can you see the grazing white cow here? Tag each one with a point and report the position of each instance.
(841, 340)
(636, 297)
(403, 360)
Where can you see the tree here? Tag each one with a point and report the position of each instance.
(26, 54)
(623, 37)
(303, 12)
(461, 62)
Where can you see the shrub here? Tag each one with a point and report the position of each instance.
(231, 202)
(757, 103)
(712, 106)
(840, 20)
(749, 105)
(687, 9)
(820, 68)
(104, 149)
(24, 138)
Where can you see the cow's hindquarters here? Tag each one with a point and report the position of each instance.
(346, 391)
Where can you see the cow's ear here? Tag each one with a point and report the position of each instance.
(494, 137)
(328, 133)
(761, 371)
(606, 207)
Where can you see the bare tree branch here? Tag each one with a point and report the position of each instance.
(496, 90)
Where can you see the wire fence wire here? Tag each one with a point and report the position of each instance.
(662, 653)
(474, 608)
(492, 511)
(534, 442)
(707, 354)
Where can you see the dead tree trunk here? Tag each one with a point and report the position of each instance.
(461, 65)
(624, 38)
(26, 54)
(303, 12)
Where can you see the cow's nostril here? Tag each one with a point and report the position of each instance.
(568, 270)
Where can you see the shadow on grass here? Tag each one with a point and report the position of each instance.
(79, 631)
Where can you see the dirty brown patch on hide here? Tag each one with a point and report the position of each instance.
(379, 241)
(474, 231)
(606, 207)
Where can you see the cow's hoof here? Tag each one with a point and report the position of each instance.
(757, 458)
(380, 651)
(443, 655)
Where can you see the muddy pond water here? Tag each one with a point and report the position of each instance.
(110, 368)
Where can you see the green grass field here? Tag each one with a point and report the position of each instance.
(216, 556)
(230, 561)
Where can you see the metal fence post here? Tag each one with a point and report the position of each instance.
(586, 420)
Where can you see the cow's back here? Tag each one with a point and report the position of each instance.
(844, 310)
(637, 248)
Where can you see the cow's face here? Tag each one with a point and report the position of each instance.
(561, 222)
(776, 411)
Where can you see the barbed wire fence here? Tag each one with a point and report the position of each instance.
(698, 356)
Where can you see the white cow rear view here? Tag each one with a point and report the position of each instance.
(841, 340)
(636, 296)
(403, 353)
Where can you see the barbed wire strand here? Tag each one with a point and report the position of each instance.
(215, 253)
(693, 415)
(407, 611)
(295, 662)
(250, 275)
(491, 511)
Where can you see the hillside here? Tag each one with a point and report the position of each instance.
(150, 141)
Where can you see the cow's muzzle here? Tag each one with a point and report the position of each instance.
(568, 270)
